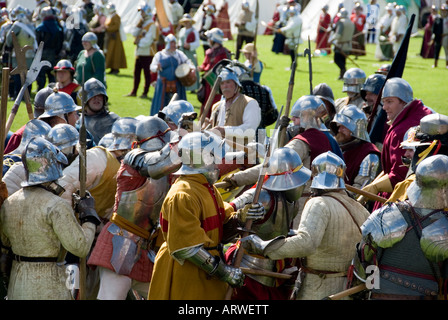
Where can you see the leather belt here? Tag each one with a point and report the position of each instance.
(34, 259)
(324, 274)
(386, 296)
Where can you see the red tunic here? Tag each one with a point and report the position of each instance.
(354, 156)
(392, 153)
(316, 140)
(322, 35)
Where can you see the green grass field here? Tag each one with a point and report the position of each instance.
(429, 84)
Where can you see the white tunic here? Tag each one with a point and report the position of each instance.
(36, 223)
(327, 237)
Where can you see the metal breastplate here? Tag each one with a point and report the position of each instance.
(252, 262)
(386, 226)
(99, 125)
(142, 206)
(434, 240)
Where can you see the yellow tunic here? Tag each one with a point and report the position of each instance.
(189, 217)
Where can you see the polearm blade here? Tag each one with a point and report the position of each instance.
(310, 65)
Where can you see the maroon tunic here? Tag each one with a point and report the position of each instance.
(354, 156)
(316, 140)
(392, 153)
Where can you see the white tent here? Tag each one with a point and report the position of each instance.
(127, 10)
(312, 11)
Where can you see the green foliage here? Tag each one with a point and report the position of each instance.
(429, 84)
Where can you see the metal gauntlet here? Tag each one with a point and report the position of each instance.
(215, 267)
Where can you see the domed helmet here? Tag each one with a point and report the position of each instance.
(354, 119)
(33, 128)
(343, 13)
(64, 64)
(215, 35)
(201, 152)
(384, 69)
(63, 136)
(328, 172)
(174, 110)
(373, 84)
(353, 78)
(229, 74)
(306, 108)
(39, 100)
(106, 140)
(59, 103)
(42, 162)
(153, 134)
(399, 88)
(430, 187)
(111, 9)
(434, 124)
(94, 87)
(124, 134)
(90, 37)
(324, 92)
(285, 171)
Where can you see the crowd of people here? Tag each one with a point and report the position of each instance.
(176, 206)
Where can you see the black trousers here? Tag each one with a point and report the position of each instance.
(239, 43)
(340, 60)
(142, 63)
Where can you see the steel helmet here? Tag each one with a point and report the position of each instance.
(174, 110)
(90, 37)
(384, 69)
(106, 140)
(39, 100)
(200, 152)
(94, 87)
(399, 88)
(229, 74)
(33, 128)
(124, 134)
(64, 64)
(328, 172)
(430, 187)
(285, 171)
(434, 124)
(306, 108)
(59, 103)
(354, 119)
(324, 92)
(153, 134)
(215, 35)
(353, 78)
(42, 162)
(373, 84)
(63, 136)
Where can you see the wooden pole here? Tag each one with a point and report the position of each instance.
(4, 107)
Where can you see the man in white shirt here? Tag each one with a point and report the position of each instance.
(236, 116)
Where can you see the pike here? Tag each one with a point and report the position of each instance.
(307, 52)
(82, 178)
(4, 107)
(259, 185)
(346, 293)
(282, 132)
(366, 194)
(28, 77)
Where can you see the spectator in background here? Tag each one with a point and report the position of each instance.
(50, 32)
(115, 55)
(223, 20)
(398, 28)
(177, 12)
(188, 42)
(146, 47)
(427, 50)
(440, 33)
(74, 33)
(246, 24)
(208, 23)
(323, 30)
(98, 24)
(384, 47)
(252, 62)
(373, 13)
(88, 6)
(359, 19)
(90, 62)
